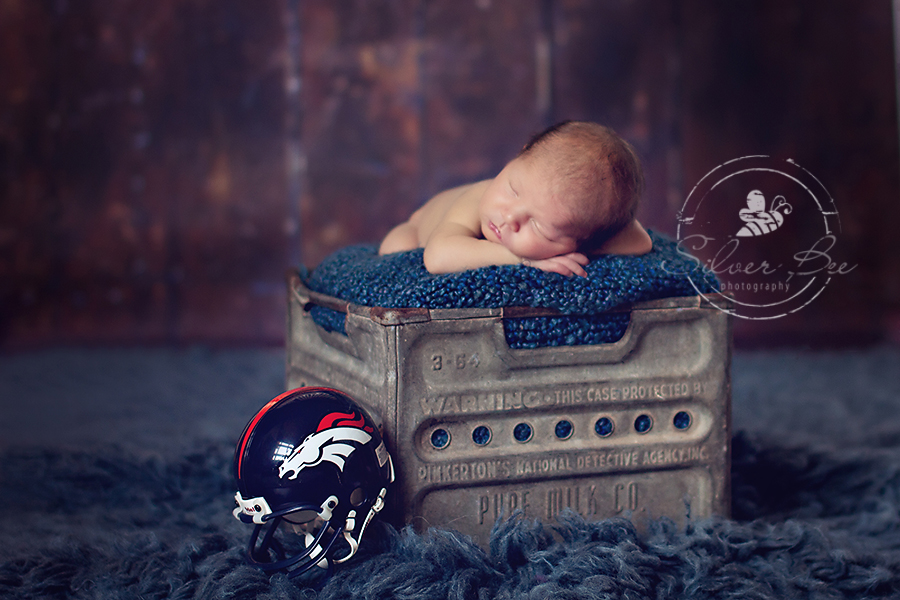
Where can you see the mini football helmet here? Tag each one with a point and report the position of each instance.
(312, 464)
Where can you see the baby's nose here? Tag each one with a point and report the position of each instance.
(513, 219)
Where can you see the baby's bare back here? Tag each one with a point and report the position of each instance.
(427, 218)
(416, 231)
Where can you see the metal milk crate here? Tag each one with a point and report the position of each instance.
(479, 431)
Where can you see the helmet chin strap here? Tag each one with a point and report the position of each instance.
(350, 526)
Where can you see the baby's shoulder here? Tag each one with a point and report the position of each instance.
(633, 239)
(461, 199)
(458, 204)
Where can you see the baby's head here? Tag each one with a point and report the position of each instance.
(595, 176)
(572, 187)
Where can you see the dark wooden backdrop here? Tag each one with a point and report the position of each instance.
(163, 163)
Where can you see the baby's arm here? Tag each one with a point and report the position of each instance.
(565, 264)
(456, 243)
(454, 248)
(401, 238)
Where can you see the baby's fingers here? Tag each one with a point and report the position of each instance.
(580, 258)
(576, 268)
(570, 265)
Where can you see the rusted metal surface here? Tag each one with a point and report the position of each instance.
(636, 428)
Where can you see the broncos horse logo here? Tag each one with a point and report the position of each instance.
(332, 441)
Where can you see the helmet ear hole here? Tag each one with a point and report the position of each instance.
(357, 497)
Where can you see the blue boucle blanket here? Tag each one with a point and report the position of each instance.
(359, 275)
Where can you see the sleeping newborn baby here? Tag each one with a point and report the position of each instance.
(571, 193)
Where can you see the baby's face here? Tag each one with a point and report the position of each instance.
(519, 211)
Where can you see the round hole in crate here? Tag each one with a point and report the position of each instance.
(523, 432)
(643, 424)
(481, 435)
(440, 439)
(564, 429)
(682, 420)
(604, 427)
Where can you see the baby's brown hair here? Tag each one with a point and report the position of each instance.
(600, 168)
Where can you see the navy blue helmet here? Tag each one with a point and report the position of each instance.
(311, 470)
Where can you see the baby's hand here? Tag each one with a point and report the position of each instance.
(566, 264)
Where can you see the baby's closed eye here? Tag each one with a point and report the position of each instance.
(541, 230)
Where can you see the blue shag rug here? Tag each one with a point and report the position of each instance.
(116, 484)
(359, 275)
